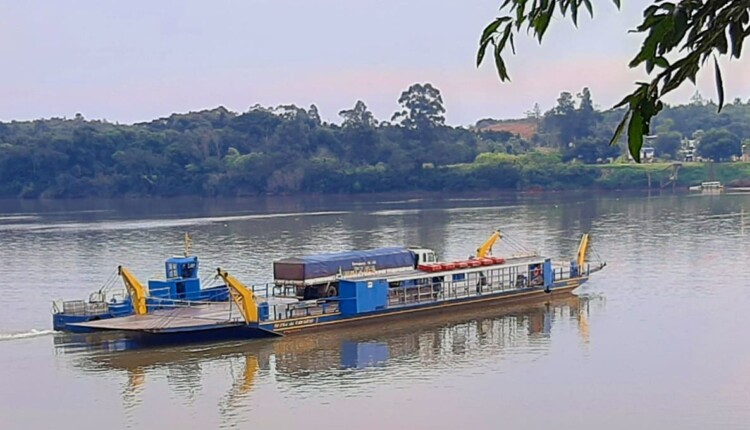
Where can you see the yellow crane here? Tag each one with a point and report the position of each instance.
(242, 296)
(135, 290)
(485, 249)
(583, 248)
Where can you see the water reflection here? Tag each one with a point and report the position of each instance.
(341, 362)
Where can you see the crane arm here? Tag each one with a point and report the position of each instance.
(135, 290)
(486, 247)
(244, 298)
(583, 248)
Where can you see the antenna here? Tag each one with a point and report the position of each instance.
(188, 242)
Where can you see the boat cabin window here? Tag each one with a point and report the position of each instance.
(425, 257)
(188, 270)
(171, 270)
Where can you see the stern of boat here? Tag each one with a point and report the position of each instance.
(67, 313)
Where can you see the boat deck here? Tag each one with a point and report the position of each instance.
(221, 314)
(416, 273)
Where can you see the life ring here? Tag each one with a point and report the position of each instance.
(332, 291)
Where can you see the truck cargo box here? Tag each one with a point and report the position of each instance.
(346, 263)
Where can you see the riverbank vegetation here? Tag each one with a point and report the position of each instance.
(289, 149)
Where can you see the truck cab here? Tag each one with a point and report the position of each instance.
(423, 256)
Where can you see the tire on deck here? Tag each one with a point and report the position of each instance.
(332, 291)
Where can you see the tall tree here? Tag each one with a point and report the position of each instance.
(314, 115)
(570, 123)
(719, 145)
(667, 144)
(587, 115)
(422, 107)
(358, 116)
(535, 113)
(359, 136)
(680, 37)
(565, 104)
(561, 120)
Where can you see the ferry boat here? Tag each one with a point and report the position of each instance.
(180, 287)
(708, 187)
(362, 295)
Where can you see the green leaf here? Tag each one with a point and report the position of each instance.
(492, 28)
(541, 24)
(680, 23)
(650, 11)
(661, 62)
(623, 102)
(648, 48)
(671, 84)
(520, 13)
(504, 39)
(590, 8)
(635, 135)
(721, 43)
(487, 35)
(564, 6)
(620, 129)
(735, 35)
(502, 71)
(719, 84)
(482, 49)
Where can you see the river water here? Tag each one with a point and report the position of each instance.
(656, 340)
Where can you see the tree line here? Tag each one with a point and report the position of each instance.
(289, 149)
(581, 132)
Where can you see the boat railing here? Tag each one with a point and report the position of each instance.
(271, 290)
(166, 302)
(471, 284)
(302, 309)
(560, 272)
(80, 307)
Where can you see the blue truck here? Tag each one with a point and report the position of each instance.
(316, 276)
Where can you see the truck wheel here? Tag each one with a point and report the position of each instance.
(332, 291)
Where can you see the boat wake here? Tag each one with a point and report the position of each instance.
(25, 335)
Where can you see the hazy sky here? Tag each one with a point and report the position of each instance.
(138, 60)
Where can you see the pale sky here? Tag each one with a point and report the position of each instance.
(139, 60)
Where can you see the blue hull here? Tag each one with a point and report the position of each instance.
(62, 322)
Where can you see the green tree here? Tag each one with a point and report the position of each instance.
(358, 116)
(719, 145)
(422, 107)
(535, 113)
(667, 144)
(591, 150)
(314, 115)
(587, 115)
(680, 37)
(359, 135)
(569, 122)
(561, 121)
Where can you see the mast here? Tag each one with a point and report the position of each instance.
(188, 242)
